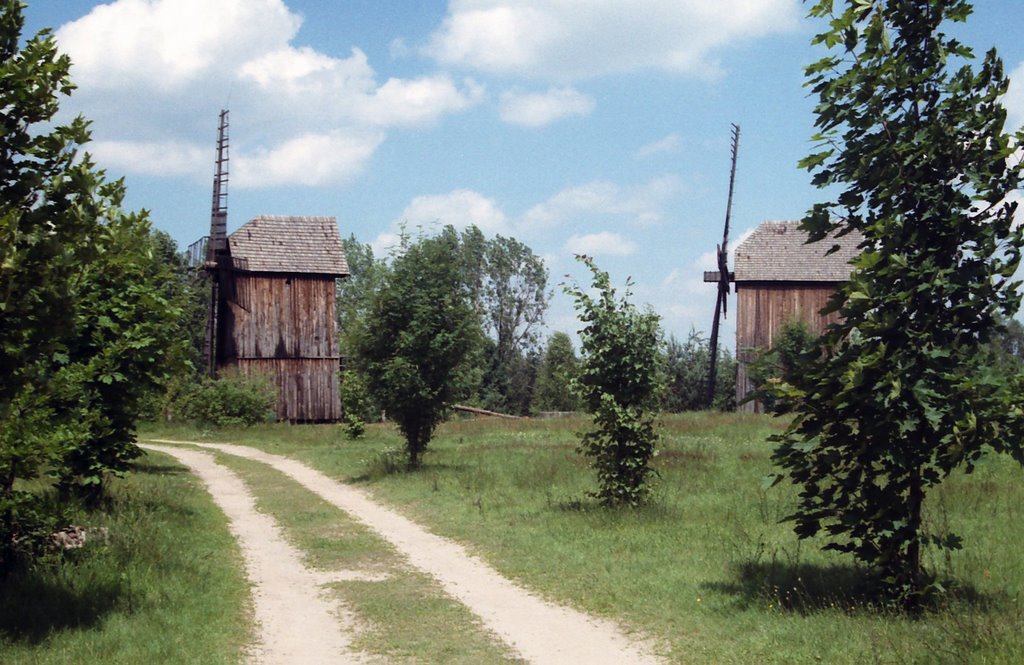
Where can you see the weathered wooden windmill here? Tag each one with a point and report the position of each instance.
(272, 301)
(722, 276)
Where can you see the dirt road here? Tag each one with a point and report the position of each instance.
(537, 630)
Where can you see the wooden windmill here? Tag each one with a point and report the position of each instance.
(722, 277)
(218, 254)
(272, 301)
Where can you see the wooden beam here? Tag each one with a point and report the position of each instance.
(713, 276)
(483, 412)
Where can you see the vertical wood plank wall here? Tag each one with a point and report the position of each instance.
(762, 310)
(283, 325)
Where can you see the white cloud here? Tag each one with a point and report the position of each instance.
(384, 244)
(536, 109)
(168, 43)
(153, 158)
(416, 101)
(148, 70)
(460, 208)
(565, 40)
(642, 205)
(1014, 99)
(309, 159)
(604, 243)
(494, 36)
(667, 145)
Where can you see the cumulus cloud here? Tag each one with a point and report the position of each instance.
(565, 40)
(640, 205)
(335, 89)
(148, 70)
(168, 43)
(604, 243)
(460, 208)
(666, 145)
(536, 109)
(416, 101)
(309, 159)
(153, 158)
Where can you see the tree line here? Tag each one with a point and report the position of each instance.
(515, 370)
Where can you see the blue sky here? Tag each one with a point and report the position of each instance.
(596, 126)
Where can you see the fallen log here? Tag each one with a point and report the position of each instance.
(484, 412)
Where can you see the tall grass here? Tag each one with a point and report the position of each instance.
(706, 568)
(161, 584)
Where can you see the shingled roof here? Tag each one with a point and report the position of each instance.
(272, 243)
(777, 252)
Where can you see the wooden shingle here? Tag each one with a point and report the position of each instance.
(280, 244)
(778, 252)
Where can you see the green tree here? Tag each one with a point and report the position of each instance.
(507, 283)
(354, 296)
(686, 369)
(419, 340)
(84, 314)
(912, 140)
(127, 343)
(554, 380)
(191, 289)
(48, 204)
(1007, 346)
(515, 295)
(355, 292)
(619, 384)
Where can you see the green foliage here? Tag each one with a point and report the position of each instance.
(554, 380)
(686, 368)
(618, 382)
(508, 284)
(355, 292)
(355, 403)
(911, 137)
(126, 346)
(793, 348)
(87, 319)
(230, 399)
(419, 339)
(41, 223)
(1007, 346)
(515, 295)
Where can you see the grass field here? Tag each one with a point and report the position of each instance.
(706, 569)
(164, 586)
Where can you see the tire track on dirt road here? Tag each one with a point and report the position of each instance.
(297, 624)
(539, 631)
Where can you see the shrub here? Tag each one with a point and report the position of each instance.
(232, 399)
(795, 345)
(355, 403)
(618, 382)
